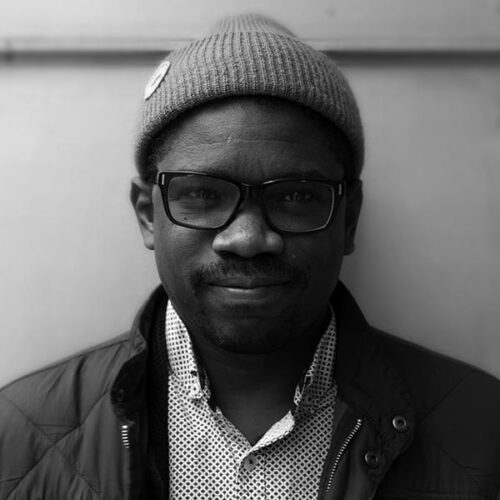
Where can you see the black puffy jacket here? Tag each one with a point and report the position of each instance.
(410, 424)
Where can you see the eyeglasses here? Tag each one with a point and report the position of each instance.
(204, 201)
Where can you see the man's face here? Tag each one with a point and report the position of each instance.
(248, 288)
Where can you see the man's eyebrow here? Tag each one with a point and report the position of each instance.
(283, 172)
(311, 173)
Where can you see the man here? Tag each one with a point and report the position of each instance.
(251, 373)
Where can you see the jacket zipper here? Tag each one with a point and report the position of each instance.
(125, 435)
(341, 452)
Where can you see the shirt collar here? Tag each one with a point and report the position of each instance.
(181, 357)
(318, 381)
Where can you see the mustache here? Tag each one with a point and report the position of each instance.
(262, 265)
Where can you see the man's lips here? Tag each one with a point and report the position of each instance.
(254, 291)
(249, 282)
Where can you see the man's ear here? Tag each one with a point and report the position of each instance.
(353, 208)
(141, 196)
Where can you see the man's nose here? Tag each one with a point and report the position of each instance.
(249, 234)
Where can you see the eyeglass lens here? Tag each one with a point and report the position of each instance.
(208, 202)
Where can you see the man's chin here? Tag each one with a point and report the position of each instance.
(247, 335)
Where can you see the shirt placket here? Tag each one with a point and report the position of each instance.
(250, 461)
(249, 476)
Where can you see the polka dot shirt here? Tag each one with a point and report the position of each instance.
(210, 459)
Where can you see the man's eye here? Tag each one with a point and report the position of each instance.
(297, 196)
(205, 194)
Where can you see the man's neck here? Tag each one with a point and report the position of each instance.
(255, 390)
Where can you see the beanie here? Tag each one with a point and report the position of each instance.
(248, 55)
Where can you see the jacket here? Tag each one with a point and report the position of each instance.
(410, 424)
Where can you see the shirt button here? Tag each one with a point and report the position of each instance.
(308, 399)
(250, 462)
(372, 459)
(399, 423)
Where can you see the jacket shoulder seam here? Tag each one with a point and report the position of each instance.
(87, 352)
(445, 395)
(437, 356)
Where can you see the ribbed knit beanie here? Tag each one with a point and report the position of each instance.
(248, 55)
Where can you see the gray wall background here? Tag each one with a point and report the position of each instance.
(73, 271)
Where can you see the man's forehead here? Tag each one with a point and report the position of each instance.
(270, 139)
(267, 121)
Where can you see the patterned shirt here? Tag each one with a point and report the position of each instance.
(209, 459)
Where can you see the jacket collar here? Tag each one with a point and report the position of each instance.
(366, 381)
(128, 394)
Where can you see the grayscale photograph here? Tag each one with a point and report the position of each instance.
(250, 250)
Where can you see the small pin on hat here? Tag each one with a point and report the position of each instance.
(156, 79)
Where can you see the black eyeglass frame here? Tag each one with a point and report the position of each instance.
(254, 191)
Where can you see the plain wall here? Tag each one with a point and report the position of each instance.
(372, 25)
(74, 271)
